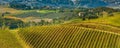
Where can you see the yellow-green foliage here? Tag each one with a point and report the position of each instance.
(111, 23)
(113, 20)
(109, 20)
(69, 37)
(47, 11)
(8, 40)
(97, 26)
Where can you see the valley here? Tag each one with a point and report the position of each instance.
(59, 28)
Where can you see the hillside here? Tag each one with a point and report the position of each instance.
(68, 36)
(103, 23)
(8, 40)
(60, 28)
(113, 20)
(7, 9)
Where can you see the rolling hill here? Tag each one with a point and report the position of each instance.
(96, 33)
(68, 36)
(103, 23)
(103, 32)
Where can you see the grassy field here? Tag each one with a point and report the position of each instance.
(47, 11)
(8, 40)
(69, 37)
(108, 20)
(41, 14)
(113, 20)
(15, 12)
(103, 23)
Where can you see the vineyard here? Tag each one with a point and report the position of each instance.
(98, 26)
(68, 37)
(59, 28)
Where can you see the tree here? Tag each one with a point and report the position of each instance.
(110, 13)
(3, 15)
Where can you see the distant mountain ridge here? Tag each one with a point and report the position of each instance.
(64, 3)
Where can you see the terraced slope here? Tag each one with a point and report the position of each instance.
(69, 37)
(8, 40)
(97, 26)
(105, 23)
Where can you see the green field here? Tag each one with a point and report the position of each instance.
(69, 37)
(113, 20)
(103, 23)
(8, 40)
